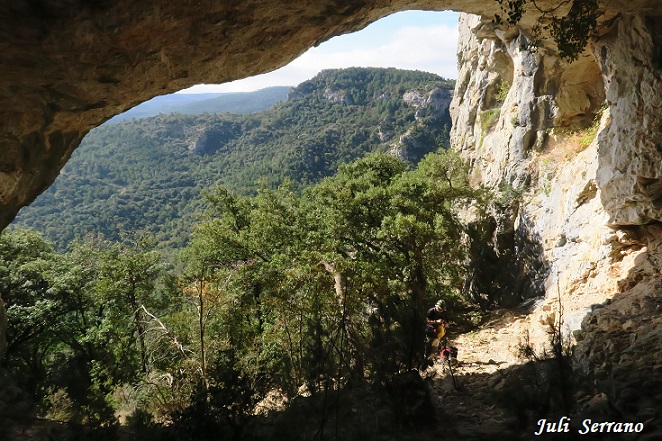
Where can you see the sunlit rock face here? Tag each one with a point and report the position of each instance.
(510, 100)
(580, 142)
(430, 107)
(577, 143)
(630, 58)
(580, 147)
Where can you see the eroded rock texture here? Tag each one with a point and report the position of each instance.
(630, 57)
(579, 148)
(525, 118)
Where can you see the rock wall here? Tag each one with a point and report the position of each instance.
(516, 118)
(630, 57)
(432, 113)
(579, 149)
(578, 144)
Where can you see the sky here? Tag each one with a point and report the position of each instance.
(416, 40)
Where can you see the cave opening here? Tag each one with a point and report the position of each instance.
(423, 41)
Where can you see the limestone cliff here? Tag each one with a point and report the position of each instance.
(579, 146)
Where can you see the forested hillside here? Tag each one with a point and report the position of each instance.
(148, 174)
(201, 264)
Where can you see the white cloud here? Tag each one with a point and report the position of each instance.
(430, 48)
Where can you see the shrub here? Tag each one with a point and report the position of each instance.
(489, 119)
(503, 87)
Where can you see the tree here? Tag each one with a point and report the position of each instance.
(77, 327)
(27, 262)
(334, 283)
(127, 282)
(104, 288)
(395, 234)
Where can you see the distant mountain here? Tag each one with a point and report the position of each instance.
(197, 104)
(147, 174)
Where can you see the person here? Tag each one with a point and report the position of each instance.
(436, 323)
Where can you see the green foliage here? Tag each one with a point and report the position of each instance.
(589, 133)
(570, 32)
(502, 90)
(488, 120)
(514, 9)
(334, 283)
(573, 31)
(279, 287)
(76, 330)
(147, 175)
(507, 195)
(319, 289)
(27, 264)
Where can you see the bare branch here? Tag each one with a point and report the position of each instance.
(167, 333)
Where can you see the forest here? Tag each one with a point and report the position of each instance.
(148, 174)
(313, 293)
(194, 277)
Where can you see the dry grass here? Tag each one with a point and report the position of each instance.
(567, 145)
(562, 147)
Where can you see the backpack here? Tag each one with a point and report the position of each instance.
(433, 331)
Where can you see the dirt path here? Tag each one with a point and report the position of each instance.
(467, 393)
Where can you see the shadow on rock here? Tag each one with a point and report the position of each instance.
(619, 346)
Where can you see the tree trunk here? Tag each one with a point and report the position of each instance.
(340, 286)
(201, 318)
(138, 326)
(418, 288)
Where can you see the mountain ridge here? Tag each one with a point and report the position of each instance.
(199, 103)
(148, 174)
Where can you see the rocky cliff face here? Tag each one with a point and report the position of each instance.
(432, 112)
(579, 146)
